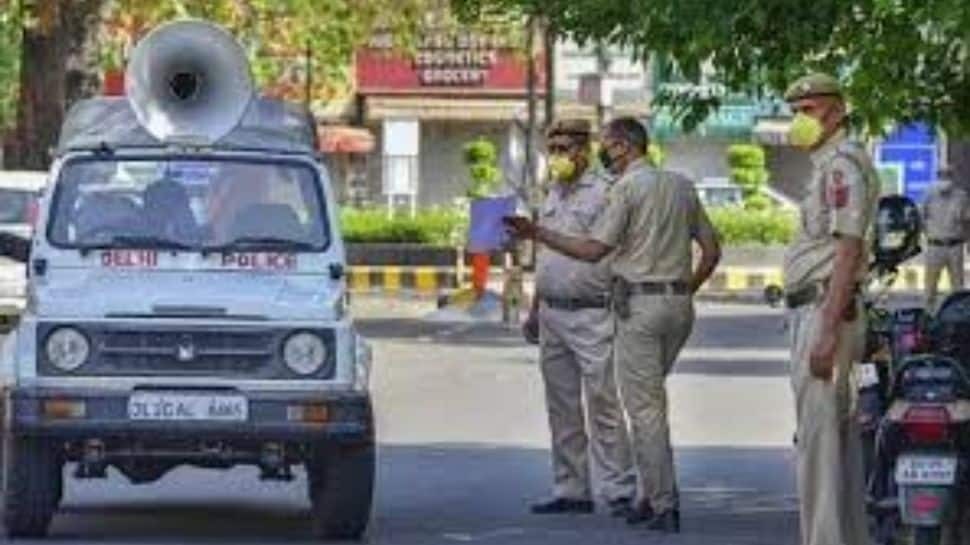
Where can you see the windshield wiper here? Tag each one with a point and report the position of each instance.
(146, 241)
(263, 242)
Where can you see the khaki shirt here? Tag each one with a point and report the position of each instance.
(841, 201)
(651, 221)
(572, 211)
(945, 215)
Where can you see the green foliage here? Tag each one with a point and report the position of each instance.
(481, 157)
(738, 225)
(10, 36)
(901, 60)
(443, 226)
(747, 165)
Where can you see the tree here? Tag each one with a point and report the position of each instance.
(63, 41)
(902, 60)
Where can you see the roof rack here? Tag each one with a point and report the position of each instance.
(109, 122)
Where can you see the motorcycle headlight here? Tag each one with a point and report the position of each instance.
(304, 353)
(67, 348)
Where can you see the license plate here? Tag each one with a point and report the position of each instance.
(187, 407)
(927, 470)
(868, 374)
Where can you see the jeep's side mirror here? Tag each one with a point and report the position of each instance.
(15, 247)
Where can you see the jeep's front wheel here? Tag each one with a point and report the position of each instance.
(341, 486)
(33, 484)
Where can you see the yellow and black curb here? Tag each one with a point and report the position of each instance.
(427, 280)
(439, 280)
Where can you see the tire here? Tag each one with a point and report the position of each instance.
(341, 487)
(927, 536)
(34, 484)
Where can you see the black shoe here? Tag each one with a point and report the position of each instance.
(562, 505)
(668, 521)
(639, 514)
(621, 507)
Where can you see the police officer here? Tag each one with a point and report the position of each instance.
(945, 214)
(571, 312)
(823, 270)
(650, 221)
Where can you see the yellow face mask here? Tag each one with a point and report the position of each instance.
(562, 168)
(805, 131)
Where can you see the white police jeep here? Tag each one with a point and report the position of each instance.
(186, 296)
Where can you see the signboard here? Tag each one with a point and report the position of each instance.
(401, 149)
(913, 148)
(401, 137)
(625, 77)
(446, 60)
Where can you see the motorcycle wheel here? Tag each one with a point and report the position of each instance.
(919, 535)
(927, 536)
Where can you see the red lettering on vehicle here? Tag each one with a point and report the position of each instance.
(260, 261)
(129, 259)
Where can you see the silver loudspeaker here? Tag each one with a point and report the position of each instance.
(189, 81)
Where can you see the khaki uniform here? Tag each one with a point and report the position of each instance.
(841, 200)
(576, 353)
(945, 217)
(650, 221)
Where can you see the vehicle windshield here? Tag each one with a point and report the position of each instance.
(188, 204)
(15, 206)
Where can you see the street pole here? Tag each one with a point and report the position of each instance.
(550, 52)
(309, 74)
(529, 179)
(602, 70)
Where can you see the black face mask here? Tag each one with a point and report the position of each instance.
(606, 160)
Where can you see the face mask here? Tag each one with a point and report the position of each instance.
(805, 131)
(607, 161)
(562, 168)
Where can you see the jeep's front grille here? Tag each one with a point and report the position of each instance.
(154, 350)
(185, 352)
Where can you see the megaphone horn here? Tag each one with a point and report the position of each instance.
(189, 81)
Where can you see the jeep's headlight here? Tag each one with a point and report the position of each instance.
(67, 348)
(304, 353)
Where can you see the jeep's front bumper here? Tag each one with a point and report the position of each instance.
(105, 416)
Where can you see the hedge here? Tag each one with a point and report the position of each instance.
(740, 226)
(448, 225)
(437, 226)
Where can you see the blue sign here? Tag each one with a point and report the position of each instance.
(912, 148)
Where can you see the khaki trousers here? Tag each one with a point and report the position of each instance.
(937, 258)
(576, 357)
(831, 478)
(647, 345)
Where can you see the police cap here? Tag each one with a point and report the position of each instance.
(569, 127)
(813, 85)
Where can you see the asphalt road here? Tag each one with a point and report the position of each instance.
(463, 450)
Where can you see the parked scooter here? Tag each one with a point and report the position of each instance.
(921, 481)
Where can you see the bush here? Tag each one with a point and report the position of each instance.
(440, 226)
(747, 164)
(738, 225)
(481, 158)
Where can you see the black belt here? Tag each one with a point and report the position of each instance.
(809, 294)
(945, 241)
(803, 296)
(659, 288)
(576, 303)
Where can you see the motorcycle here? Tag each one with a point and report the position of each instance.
(891, 335)
(921, 478)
